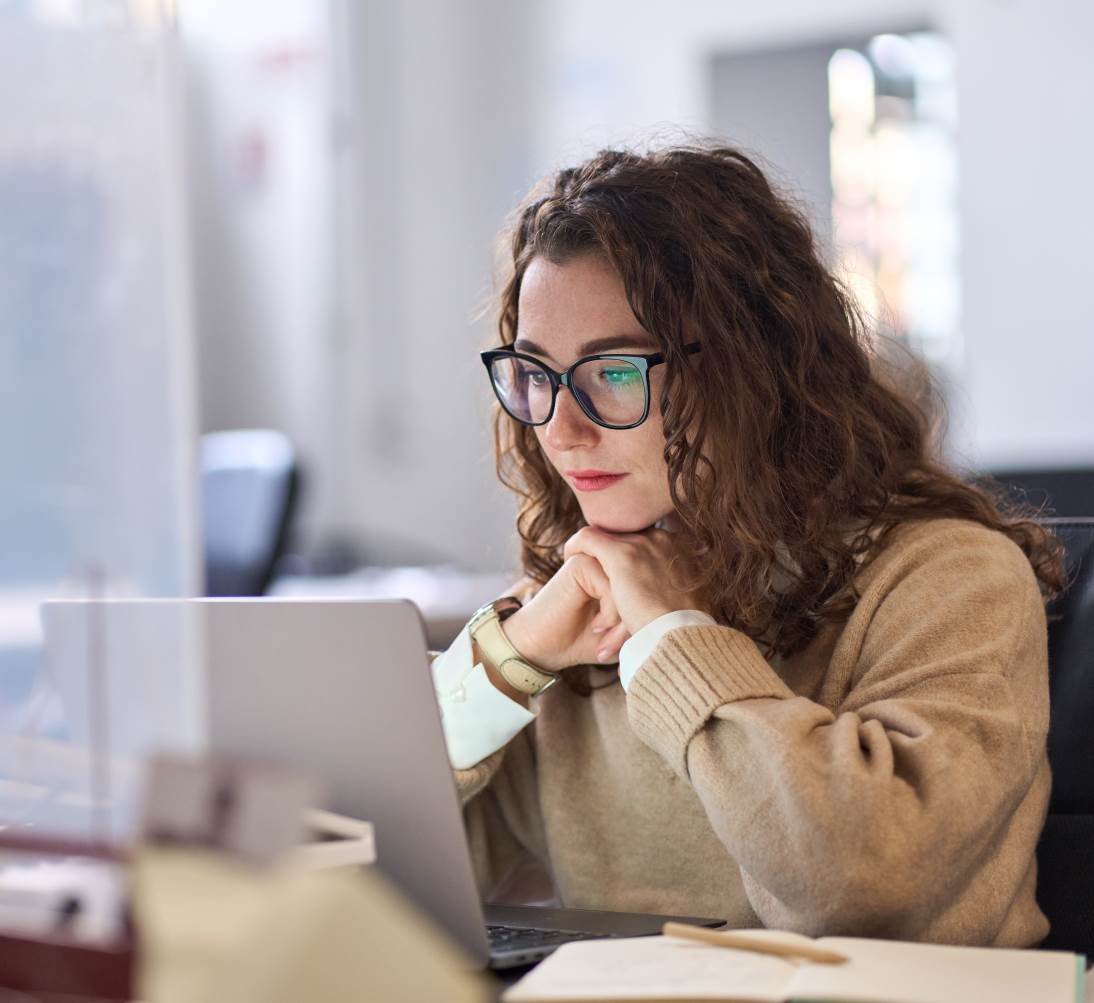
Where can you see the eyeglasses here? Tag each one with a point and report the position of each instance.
(613, 390)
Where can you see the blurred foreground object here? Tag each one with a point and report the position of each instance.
(213, 928)
(213, 924)
(220, 902)
(64, 923)
(253, 811)
(249, 486)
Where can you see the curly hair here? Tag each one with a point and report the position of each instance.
(788, 445)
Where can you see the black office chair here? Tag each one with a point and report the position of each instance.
(1065, 854)
(249, 488)
(1063, 492)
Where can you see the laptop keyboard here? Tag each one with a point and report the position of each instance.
(517, 938)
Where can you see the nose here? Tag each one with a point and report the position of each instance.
(569, 426)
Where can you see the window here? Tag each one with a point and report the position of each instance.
(893, 155)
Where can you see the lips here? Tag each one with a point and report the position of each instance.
(593, 480)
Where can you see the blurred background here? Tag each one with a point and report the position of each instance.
(245, 250)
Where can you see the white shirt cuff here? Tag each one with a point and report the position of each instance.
(477, 717)
(638, 648)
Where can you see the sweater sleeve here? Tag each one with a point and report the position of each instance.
(871, 818)
(504, 824)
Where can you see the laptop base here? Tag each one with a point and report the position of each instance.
(522, 935)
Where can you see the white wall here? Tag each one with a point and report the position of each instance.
(1026, 77)
(443, 103)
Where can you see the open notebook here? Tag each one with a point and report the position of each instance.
(879, 971)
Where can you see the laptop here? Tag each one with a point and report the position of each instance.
(342, 689)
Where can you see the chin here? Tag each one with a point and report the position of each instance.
(620, 522)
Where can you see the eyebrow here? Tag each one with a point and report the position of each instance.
(608, 344)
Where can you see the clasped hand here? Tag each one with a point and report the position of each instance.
(609, 587)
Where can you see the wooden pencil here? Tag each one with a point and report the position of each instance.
(745, 942)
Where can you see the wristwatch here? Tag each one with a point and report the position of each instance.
(514, 668)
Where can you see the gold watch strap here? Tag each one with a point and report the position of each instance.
(514, 668)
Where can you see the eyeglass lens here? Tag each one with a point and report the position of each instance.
(611, 390)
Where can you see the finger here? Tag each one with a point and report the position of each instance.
(579, 543)
(607, 617)
(589, 576)
(597, 584)
(611, 642)
(593, 581)
(595, 542)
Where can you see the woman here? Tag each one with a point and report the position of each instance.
(830, 707)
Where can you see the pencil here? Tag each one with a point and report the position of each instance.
(743, 942)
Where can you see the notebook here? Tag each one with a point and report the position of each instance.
(663, 969)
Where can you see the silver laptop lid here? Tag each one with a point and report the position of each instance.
(340, 688)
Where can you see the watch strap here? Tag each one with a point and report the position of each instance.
(486, 631)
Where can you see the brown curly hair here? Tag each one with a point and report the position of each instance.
(787, 444)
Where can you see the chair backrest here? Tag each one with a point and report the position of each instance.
(249, 482)
(1066, 492)
(1065, 855)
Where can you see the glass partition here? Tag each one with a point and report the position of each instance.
(97, 426)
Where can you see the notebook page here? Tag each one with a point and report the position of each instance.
(653, 968)
(900, 972)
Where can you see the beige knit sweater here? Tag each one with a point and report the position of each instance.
(890, 780)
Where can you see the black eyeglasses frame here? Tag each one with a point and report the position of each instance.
(644, 363)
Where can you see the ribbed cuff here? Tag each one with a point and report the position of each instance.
(693, 671)
(638, 648)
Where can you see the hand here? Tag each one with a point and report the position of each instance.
(572, 620)
(640, 569)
